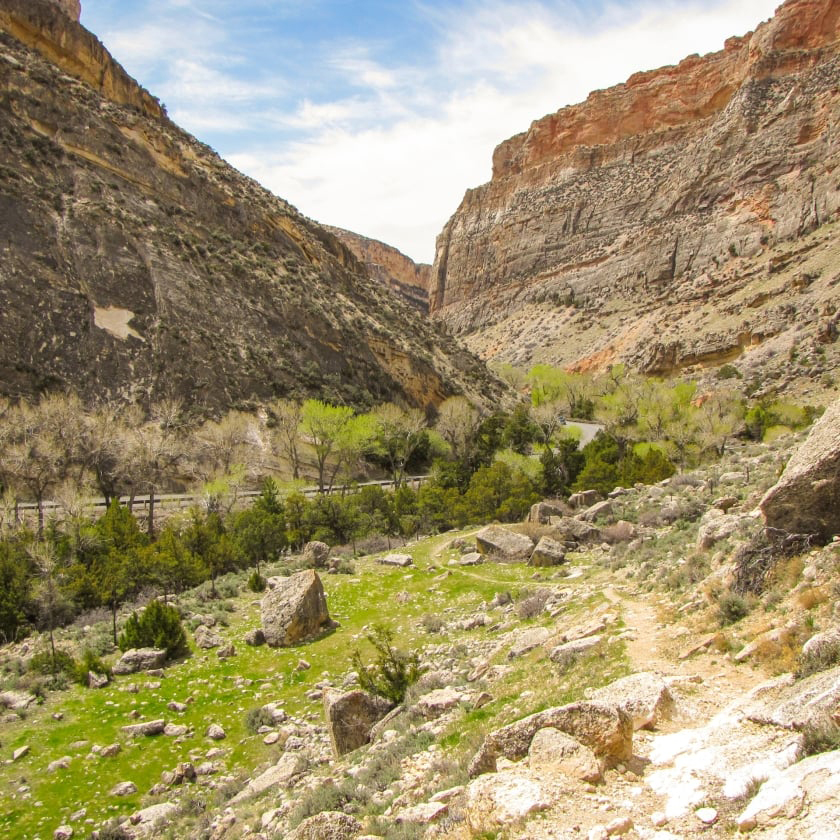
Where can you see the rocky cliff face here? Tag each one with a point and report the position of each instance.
(136, 264)
(390, 267)
(608, 226)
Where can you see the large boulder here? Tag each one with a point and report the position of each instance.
(644, 696)
(351, 716)
(140, 659)
(548, 552)
(584, 499)
(553, 752)
(295, 610)
(205, 638)
(796, 704)
(493, 802)
(542, 512)
(606, 730)
(604, 508)
(806, 499)
(316, 554)
(291, 764)
(570, 530)
(502, 544)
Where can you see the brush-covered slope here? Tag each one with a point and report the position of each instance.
(135, 263)
(662, 222)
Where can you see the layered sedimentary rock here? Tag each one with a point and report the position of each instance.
(390, 267)
(136, 264)
(684, 217)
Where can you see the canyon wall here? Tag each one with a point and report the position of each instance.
(609, 225)
(136, 264)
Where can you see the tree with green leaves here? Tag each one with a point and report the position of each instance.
(393, 670)
(322, 427)
(260, 530)
(398, 434)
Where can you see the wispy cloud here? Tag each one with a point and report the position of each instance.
(383, 134)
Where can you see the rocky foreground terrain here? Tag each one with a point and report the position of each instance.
(656, 665)
(136, 264)
(684, 219)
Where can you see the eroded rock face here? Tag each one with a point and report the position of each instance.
(806, 499)
(295, 610)
(623, 228)
(606, 730)
(351, 716)
(137, 227)
(502, 544)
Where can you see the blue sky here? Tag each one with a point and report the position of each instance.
(377, 116)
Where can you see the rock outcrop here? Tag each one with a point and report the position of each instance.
(351, 716)
(137, 265)
(502, 544)
(295, 610)
(390, 267)
(806, 499)
(686, 217)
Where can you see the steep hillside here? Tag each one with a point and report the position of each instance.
(390, 267)
(137, 264)
(647, 224)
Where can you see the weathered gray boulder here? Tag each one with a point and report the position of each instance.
(566, 654)
(821, 651)
(140, 659)
(255, 637)
(16, 700)
(502, 800)
(351, 716)
(717, 525)
(806, 499)
(146, 819)
(795, 704)
(401, 560)
(542, 512)
(328, 825)
(606, 730)
(502, 544)
(584, 499)
(295, 610)
(548, 552)
(569, 529)
(604, 508)
(553, 751)
(205, 638)
(644, 696)
(147, 728)
(437, 702)
(316, 554)
(95, 680)
(290, 765)
(123, 789)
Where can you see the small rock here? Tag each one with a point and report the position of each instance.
(402, 560)
(271, 738)
(110, 751)
(59, 764)
(63, 832)
(216, 732)
(20, 752)
(123, 789)
(658, 819)
(706, 815)
(619, 825)
(226, 651)
(175, 706)
(598, 832)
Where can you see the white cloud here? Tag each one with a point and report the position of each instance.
(394, 161)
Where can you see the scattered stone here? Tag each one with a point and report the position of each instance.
(17, 701)
(473, 558)
(316, 554)
(226, 651)
(503, 544)
(644, 696)
(351, 716)
(215, 732)
(328, 825)
(542, 512)
(110, 751)
(606, 730)
(619, 826)
(175, 730)
(148, 728)
(255, 638)
(501, 599)
(95, 680)
(553, 751)
(717, 525)
(438, 702)
(295, 610)
(59, 764)
(597, 832)
(271, 738)
(571, 530)
(584, 499)
(401, 560)
(708, 816)
(604, 508)
(548, 552)
(658, 819)
(140, 659)
(806, 499)
(501, 799)
(527, 639)
(63, 832)
(205, 638)
(20, 752)
(154, 815)
(820, 651)
(422, 814)
(725, 502)
(175, 706)
(290, 765)
(566, 654)
(796, 704)
(123, 789)
(302, 665)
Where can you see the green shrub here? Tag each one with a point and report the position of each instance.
(158, 626)
(256, 582)
(394, 670)
(44, 663)
(258, 717)
(90, 663)
(820, 736)
(731, 608)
